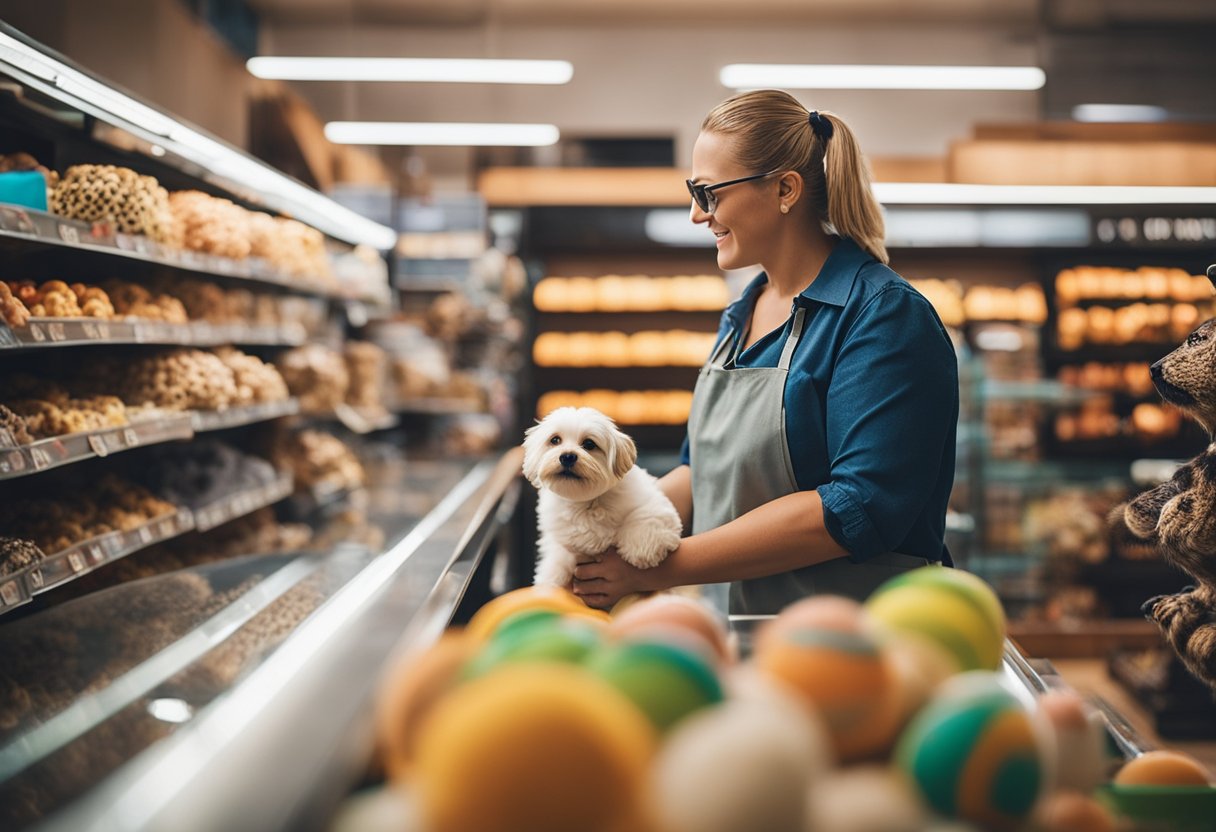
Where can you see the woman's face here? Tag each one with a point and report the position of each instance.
(744, 220)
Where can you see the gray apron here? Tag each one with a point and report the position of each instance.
(740, 459)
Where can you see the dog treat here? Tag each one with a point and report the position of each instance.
(316, 375)
(21, 161)
(15, 425)
(13, 310)
(135, 204)
(210, 224)
(317, 461)
(179, 379)
(16, 554)
(135, 301)
(365, 366)
(290, 246)
(256, 381)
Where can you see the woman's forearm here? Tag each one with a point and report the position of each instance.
(785, 534)
(677, 485)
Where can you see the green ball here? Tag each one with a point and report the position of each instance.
(513, 625)
(563, 641)
(974, 753)
(666, 682)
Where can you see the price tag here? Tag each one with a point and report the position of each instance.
(183, 518)
(12, 462)
(97, 444)
(76, 561)
(90, 330)
(69, 233)
(36, 333)
(7, 338)
(6, 439)
(14, 219)
(141, 244)
(96, 553)
(37, 581)
(129, 437)
(145, 535)
(56, 331)
(10, 594)
(40, 458)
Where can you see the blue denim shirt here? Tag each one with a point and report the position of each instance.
(871, 404)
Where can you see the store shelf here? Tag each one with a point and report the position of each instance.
(70, 563)
(41, 333)
(437, 407)
(236, 505)
(632, 321)
(35, 457)
(206, 420)
(616, 378)
(25, 227)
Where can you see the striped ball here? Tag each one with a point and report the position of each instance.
(953, 608)
(974, 753)
(845, 676)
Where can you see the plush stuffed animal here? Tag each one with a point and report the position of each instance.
(1179, 516)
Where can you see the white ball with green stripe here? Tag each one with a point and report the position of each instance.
(954, 609)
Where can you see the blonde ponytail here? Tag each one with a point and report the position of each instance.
(852, 209)
(771, 130)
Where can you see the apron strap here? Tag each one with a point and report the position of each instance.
(791, 342)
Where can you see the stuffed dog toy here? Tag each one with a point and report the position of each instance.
(1179, 516)
(593, 495)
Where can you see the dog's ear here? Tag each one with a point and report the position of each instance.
(623, 453)
(532, 453)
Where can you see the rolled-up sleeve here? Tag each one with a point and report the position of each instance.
(891, 407)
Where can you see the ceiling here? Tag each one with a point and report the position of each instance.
(470, 12)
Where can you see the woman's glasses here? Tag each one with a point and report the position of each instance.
(705, 197)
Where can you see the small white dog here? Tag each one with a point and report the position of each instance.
(593, 496)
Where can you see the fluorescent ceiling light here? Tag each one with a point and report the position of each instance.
(862, 77)
(438, 133)
(444, 70)
(1119, 112)
(939, 193)
(275, 189)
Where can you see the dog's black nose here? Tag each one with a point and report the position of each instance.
(1155, 371)
(567, 460)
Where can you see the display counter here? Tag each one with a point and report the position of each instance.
(235, 695)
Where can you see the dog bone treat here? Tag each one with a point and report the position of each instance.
(256, 381)
(16, 554)
(316, 375)
(13, 311)
(290, 246)
(93, 300)
(317, 461)
(135, 204)
(210, 224)
(365, 364)
(55, 299)
(180, 379)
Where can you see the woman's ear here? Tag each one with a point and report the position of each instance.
(624, 453)
(789, 188)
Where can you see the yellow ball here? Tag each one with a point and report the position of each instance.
(486, 620)
(547, 748)
(953, 608)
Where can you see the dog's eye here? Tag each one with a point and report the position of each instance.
(588, 445)
(1195, 338)
(556, 440)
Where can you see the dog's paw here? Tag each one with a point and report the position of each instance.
(647, 545)
(1147, 608)
(552, 573)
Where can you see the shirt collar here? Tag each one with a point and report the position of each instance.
(832, 285)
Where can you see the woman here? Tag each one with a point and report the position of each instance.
(820, 449)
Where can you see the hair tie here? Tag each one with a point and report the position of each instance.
(820, 126)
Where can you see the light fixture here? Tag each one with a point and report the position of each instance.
(878, 77)
(237, 170)
(419, 70)
(438, 133)
(170, 710)
(1119, 112)
(944, 193)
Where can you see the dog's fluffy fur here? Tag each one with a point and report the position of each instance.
(593, 496)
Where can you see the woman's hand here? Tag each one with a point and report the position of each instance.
(602, 581)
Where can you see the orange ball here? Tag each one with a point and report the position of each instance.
(847, 677)
(1163, 768)
(1074, 812)
(546, 748)
(830, 612)
(410, 691)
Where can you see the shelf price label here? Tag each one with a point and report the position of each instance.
(56, 331)
(97, 444)
(37, 582)
(40, 458)
(76, 561)
(69, 233)
(12, 462)
(10, 594)
(6, 439)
